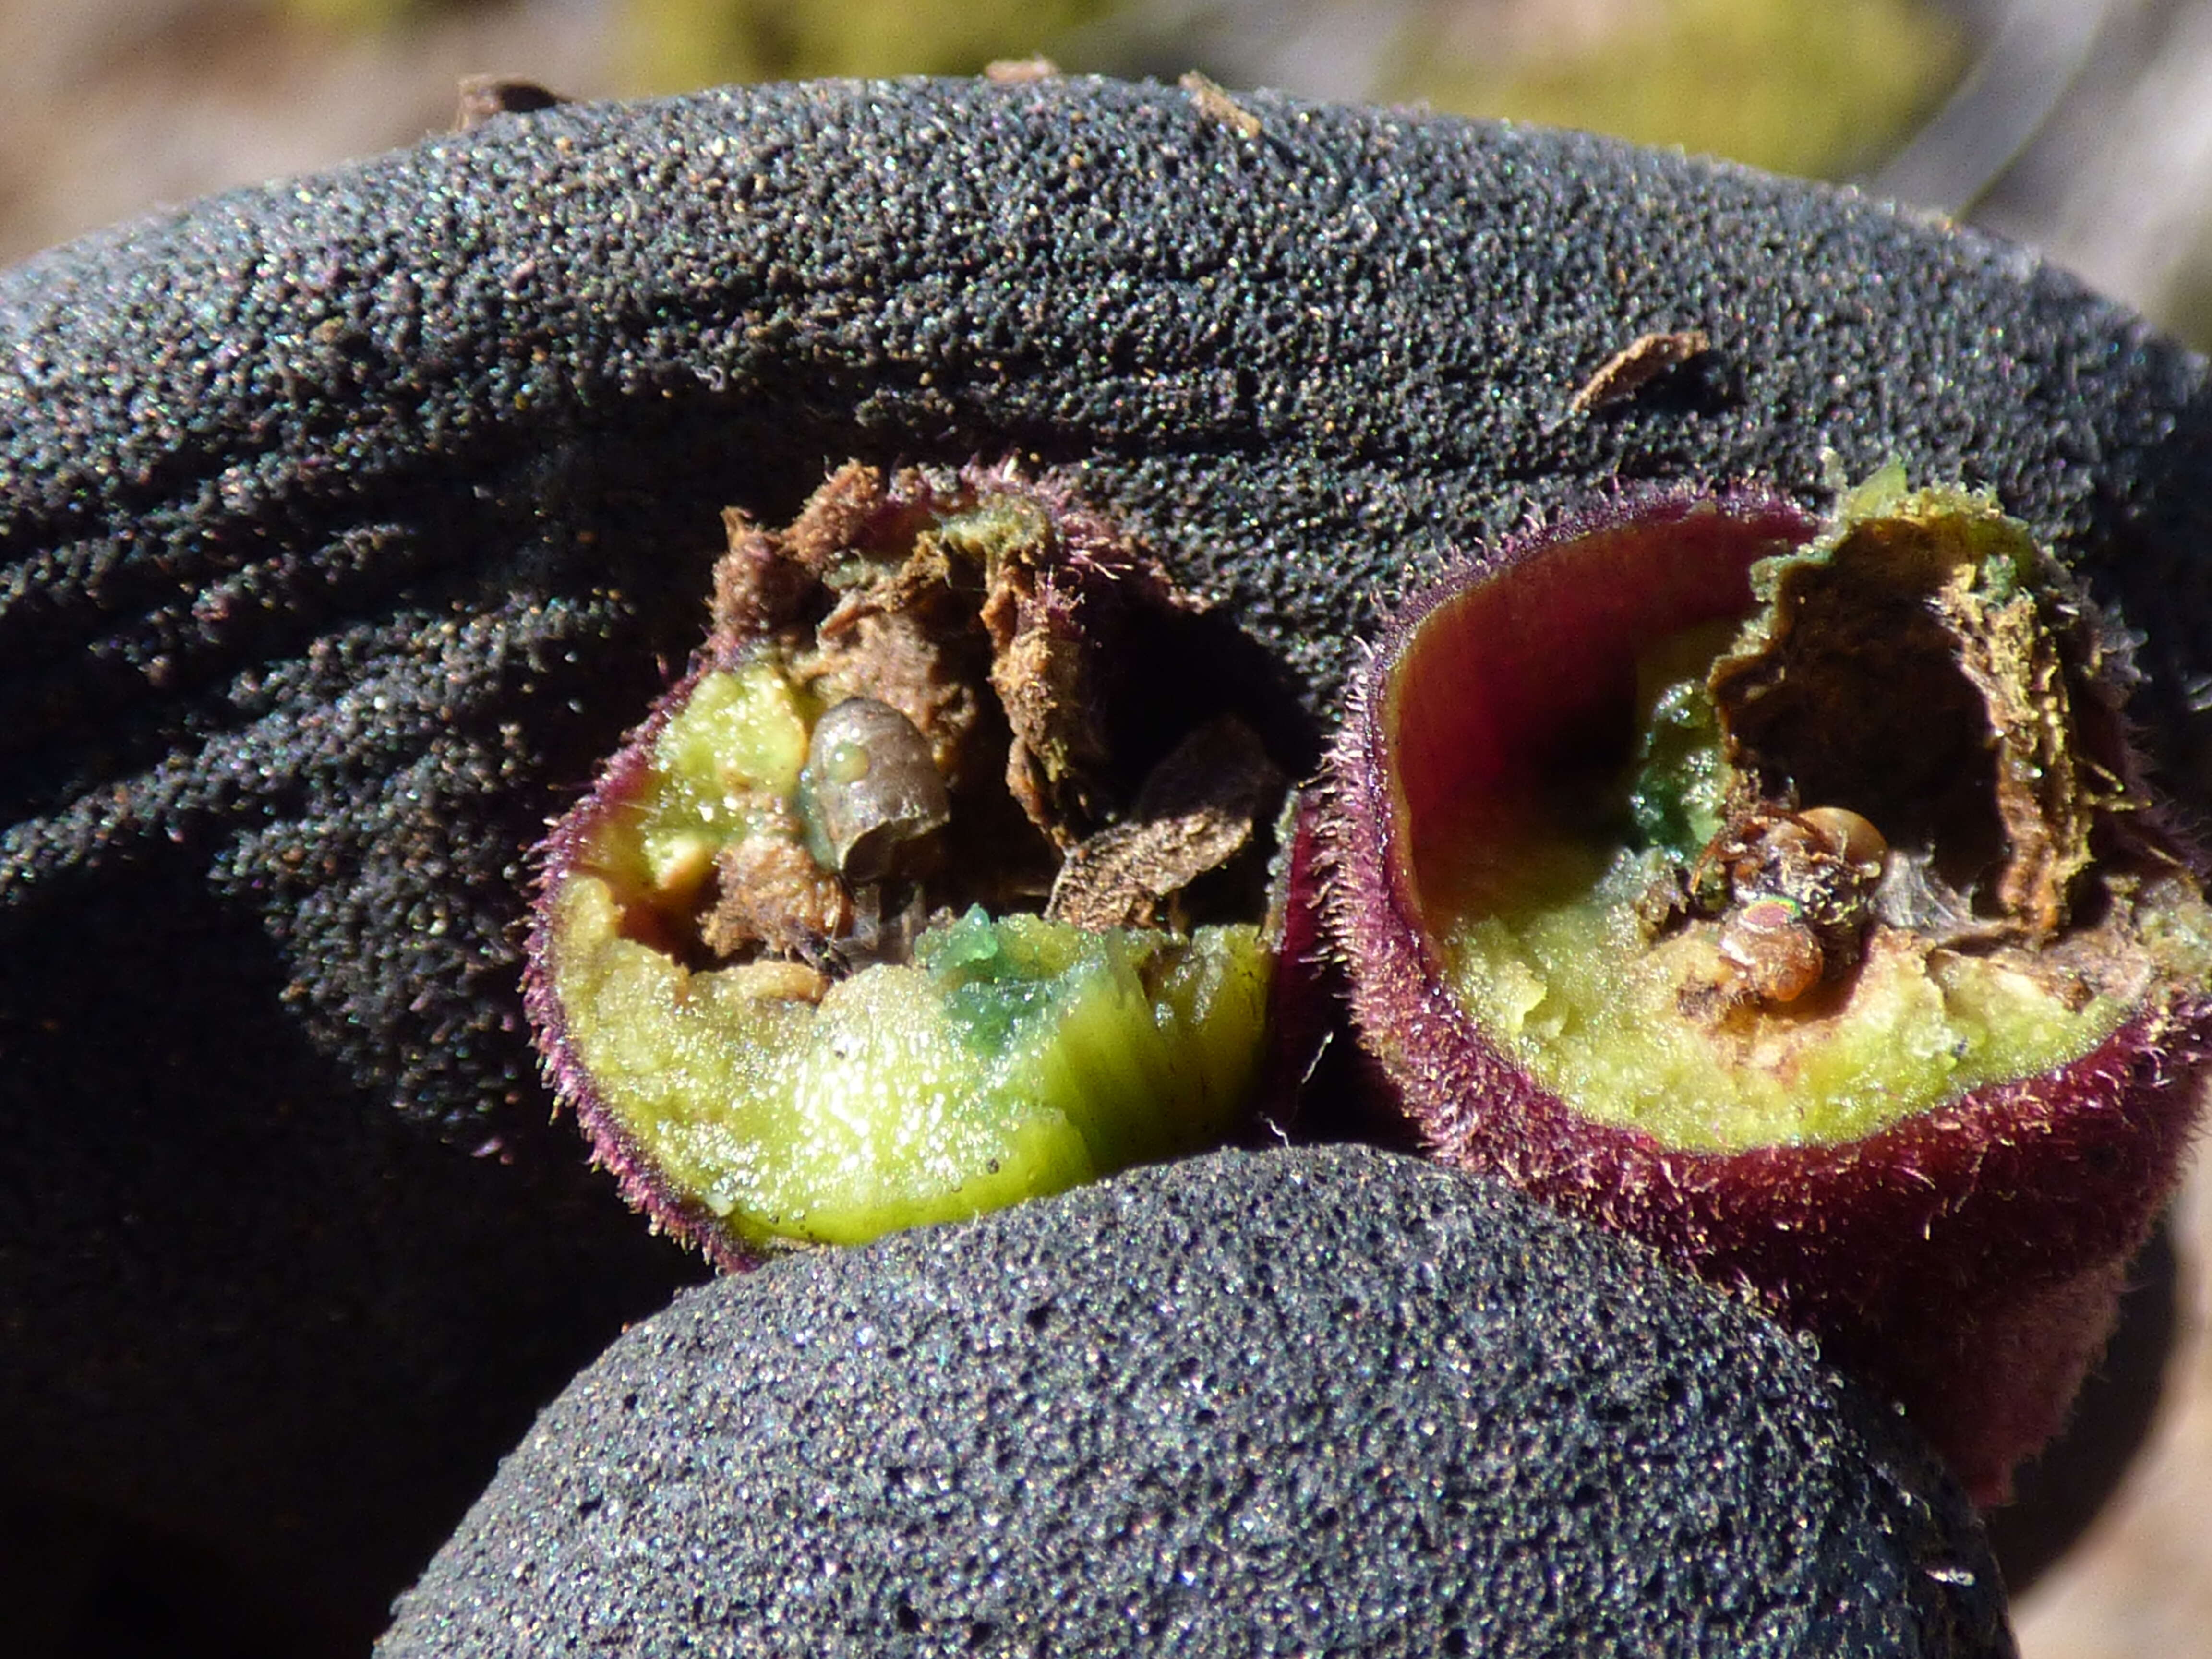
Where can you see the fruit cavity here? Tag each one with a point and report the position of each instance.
(911, 901)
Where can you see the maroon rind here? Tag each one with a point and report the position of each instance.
(1966, 1258)
(640, 1183)
(1318, 1086)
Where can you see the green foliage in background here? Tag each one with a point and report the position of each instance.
(362, 17)
(1823, 87)
(1820, 88)
(677, 45)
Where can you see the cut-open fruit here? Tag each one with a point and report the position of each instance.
(1786, 893)
(922, 893)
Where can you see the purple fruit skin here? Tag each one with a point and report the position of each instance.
(641, 1184)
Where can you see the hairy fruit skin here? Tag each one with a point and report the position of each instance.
(1966, 1258)
(638, 1180)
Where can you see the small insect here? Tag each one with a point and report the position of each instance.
(1629, 369)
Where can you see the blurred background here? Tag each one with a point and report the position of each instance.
(2081, 127)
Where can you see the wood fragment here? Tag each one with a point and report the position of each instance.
(1215, 104)
(1019, 71)
(1628, 370)
(483, 96)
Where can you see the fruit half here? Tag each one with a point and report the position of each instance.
(926, 890)
(1785, 892)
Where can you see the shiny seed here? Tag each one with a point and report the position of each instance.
(869, 784)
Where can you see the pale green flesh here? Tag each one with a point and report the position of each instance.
(1542, 944)
(741, 731)
(1017, 1057)
(1572, 992)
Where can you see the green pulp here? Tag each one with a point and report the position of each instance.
(1562, 978)
(1018, 1057)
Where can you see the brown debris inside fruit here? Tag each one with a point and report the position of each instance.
(1197, 810)
(956, 643)
(1776, 862)
(1922, 690)
(771, 895)
(1045, 670)
(1894, 680)
(1795, 894)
